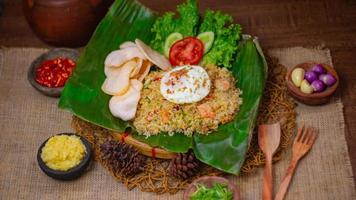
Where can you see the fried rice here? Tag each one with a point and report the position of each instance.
(155, 114)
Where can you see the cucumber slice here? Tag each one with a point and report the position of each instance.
(170, 40)
(207, 38)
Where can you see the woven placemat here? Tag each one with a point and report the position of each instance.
(27, 118)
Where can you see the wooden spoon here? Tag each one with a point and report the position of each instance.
(268, 139)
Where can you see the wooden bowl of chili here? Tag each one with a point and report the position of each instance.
(49, 72)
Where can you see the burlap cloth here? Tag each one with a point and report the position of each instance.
(27, 118)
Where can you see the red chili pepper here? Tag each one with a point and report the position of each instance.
(153, 152)
(123, 137)
(54, 73)
(157, 78)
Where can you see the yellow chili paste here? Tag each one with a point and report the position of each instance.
(63, 152)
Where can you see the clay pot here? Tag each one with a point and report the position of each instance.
(65, 22)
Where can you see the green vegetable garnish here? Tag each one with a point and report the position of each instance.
(227, 36)
(207, 38)
(186, 24)
(171, 39)
(217, 192)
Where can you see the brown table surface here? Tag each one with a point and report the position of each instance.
(277, 23)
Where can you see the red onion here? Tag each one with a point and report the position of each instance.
(319, 69)
(318, 86)
(328, 79)
(310, 76)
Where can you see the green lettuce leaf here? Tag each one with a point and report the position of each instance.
(186, 24)
(226, 40)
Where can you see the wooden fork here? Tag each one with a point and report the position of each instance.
(303, 142)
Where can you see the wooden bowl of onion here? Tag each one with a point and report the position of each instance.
(312, 83)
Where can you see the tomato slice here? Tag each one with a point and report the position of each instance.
(187, 51)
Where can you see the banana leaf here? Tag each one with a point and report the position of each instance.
(82, 95)
(128, 20)
(227, 147)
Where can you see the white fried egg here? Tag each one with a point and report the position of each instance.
(185, 84)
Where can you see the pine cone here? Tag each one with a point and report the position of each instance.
(122, 158)
(184, 165)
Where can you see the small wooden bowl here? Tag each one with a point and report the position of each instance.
(71, 174)
(209, 181)
(314, 98)
(54, 53)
